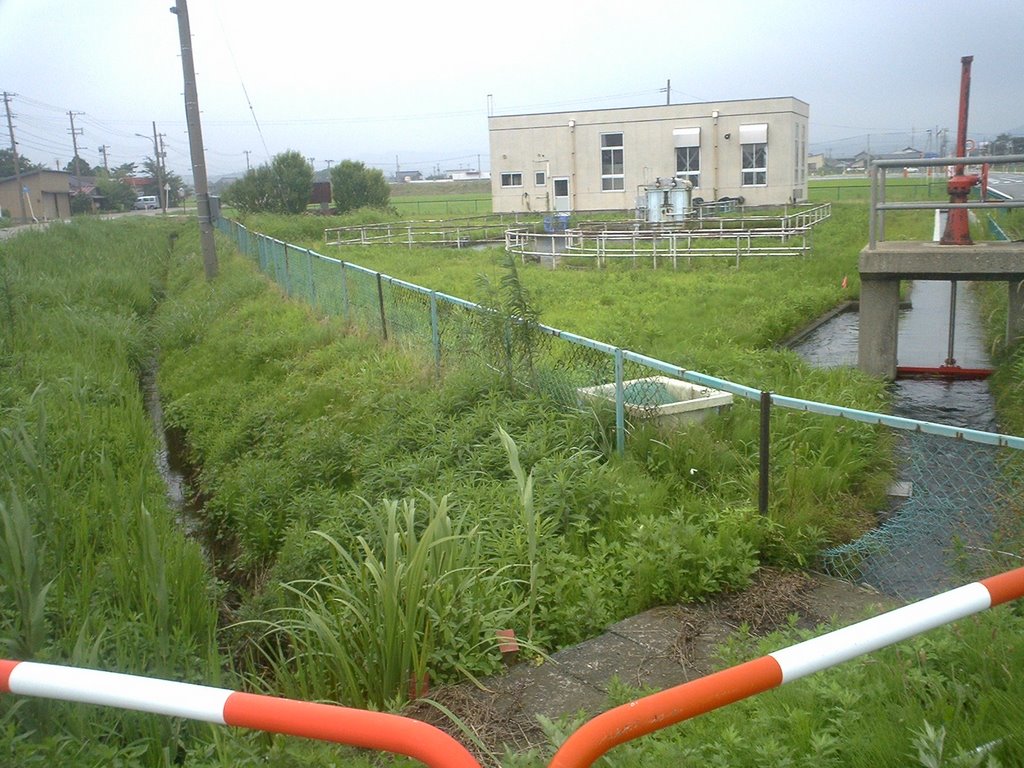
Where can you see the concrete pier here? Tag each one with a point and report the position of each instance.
(882, 268)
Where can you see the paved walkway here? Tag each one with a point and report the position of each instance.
(657, 649)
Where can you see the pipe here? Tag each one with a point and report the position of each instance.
(660, 710)
(326, 722)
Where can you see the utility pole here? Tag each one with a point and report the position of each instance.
(75, 133)
(14, 151)
(164, 193)
(103, 151)
(195, 141)
(157, 168)
(668, 92)
(246, 153)
(329, 164)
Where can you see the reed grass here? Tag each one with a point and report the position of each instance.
(372, 629)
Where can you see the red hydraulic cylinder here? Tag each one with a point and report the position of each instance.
(958, 231)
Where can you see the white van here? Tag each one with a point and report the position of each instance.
(146, 202)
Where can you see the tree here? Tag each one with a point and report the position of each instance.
(250, 193)
(353, 185)
(83, 168)
(7, 164)
(284, 186)
(1006, 144)
(155, 187)
(292, 179)
(117, 196)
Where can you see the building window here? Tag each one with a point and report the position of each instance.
(511, 180)
(687, 141)
(754, 149)
(539, 179)
(612, 175)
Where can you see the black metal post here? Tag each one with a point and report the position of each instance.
(765, 451)
(380, 302)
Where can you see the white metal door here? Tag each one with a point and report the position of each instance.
(563, 201)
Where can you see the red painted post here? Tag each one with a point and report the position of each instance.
(958, 231)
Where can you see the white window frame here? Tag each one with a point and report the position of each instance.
(508, 179)
(613, 181)
(687, 140)
(754, 155)
(540, 178)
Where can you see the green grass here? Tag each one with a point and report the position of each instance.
(310, 438)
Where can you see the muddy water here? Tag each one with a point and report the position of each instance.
(923, 341)
(949, 490)
(169, 460)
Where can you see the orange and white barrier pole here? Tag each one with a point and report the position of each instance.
(342, 725)
(674, 705)
(401, 735)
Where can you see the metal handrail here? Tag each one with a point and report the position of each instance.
(660, 710)
(876, 216)
(435, 748)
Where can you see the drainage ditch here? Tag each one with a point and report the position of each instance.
(944, 505)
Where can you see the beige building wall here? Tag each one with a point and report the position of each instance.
(567, 146)
(49, 196)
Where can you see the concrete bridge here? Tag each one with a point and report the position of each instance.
(883, 264)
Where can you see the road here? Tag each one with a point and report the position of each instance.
(1007, 186)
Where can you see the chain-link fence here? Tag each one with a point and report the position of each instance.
(955, 487)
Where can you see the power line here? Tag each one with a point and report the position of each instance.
(245, 91)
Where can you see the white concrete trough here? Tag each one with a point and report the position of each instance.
(670, 403)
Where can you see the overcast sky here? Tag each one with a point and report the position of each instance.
(373, 81)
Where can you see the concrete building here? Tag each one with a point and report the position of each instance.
(598, 159)
(48, 196)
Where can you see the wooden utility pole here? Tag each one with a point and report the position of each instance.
(163, 191)
(103, 151)
(195, 141)
(14, 151)
(157, 167)
(75, 133)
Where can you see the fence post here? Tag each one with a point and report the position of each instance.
(344, 294)
(312, 282)
(287, 271)
(765, 453)
(620, 406)
(380, 303)
(435, 333)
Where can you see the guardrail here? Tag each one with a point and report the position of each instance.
(455, 233)
(660, 710)
(430, 745)
(609, 245)
(878, 205)
(742, 235)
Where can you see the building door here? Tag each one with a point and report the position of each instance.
(563, 203)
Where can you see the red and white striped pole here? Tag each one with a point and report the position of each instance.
(392, 733)
(342, 725)
(652, 713)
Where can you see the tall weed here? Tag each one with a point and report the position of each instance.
(381, 619)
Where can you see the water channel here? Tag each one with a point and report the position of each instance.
(943, 506)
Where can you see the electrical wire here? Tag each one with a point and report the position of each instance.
(245, 91)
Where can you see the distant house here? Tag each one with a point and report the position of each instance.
(816, 163)
(138, 183)
(46, 195)
(405, 176)
(467, 174)
(862, 160)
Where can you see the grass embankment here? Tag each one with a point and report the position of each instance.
(94, 569)
(297, 427)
